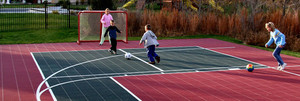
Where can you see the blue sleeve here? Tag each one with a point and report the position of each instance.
(271, 40)
(282, 42)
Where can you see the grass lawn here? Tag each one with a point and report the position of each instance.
(71, 35)
(60, 33)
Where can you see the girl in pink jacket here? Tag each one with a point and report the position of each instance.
(105, 20)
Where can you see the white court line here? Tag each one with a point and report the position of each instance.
(143, 61)
(126, 89)
(38, 93)
(41, 84)
(252, 61)
(231, 56)
(291, 73)
(293, 66)
(92, 78)
(68, 51)
(176, 70)
(38, 66)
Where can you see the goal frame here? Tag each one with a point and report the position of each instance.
(102, 12)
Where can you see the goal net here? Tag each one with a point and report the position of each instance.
(90, 27)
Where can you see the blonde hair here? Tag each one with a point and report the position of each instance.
(271, 25)
(106, 9)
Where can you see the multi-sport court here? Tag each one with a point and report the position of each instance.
(190, 69)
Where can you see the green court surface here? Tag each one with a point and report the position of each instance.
(88, 75)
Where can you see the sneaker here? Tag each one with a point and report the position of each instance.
(100, 44)
(151, 62)
(283, 66)
(279, 68)
(113, 52)
(110, 51)
(157, 59)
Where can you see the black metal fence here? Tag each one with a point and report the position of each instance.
(36, 16)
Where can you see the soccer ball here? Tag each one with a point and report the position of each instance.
(250, 67)
(128, 56)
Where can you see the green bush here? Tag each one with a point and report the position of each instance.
(63, 3)
(55, 12)
(101, 4)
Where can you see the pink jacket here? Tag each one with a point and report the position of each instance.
(106, 19)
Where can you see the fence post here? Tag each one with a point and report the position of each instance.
(46, 14)
(69, 14)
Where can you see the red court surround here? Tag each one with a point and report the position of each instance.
(20, 77)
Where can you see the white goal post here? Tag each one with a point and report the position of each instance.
(90, 27)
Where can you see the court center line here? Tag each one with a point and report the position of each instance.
(125, 89)
(143, 61)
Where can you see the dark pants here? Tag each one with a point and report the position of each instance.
(151, 53)
(113, 44)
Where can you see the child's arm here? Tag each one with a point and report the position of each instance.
(143, 39)
(269, 42)
(103, 19)
(118, 30)
(107, 31)
(282, 42)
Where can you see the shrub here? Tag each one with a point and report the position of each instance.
(238, 25)
(101, 4)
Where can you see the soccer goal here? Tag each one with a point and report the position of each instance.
(90, 27)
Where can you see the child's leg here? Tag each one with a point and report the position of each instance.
(109, 38)
(102, 35)
(150, 52)
(113, 44)
(154, 53)
(276, 55)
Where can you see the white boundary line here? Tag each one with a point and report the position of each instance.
(176, 70)
(136, 48)
(290, 73)
(293, 66)
(69, 51)
(45, 80)
(92, 78)
(209, 49)
(38, 66)
(126, 89)
(143, 61)
(254, 62)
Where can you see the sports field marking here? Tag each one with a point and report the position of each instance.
(209, 49)
(255, 62)
(38, 93)
(187, 48)
(286, 71)
(125, 89)
(293, 66)
(158, 73)
(291, 73)
(145, 72)
(41, 84)
(50, 90)
(143, 61)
